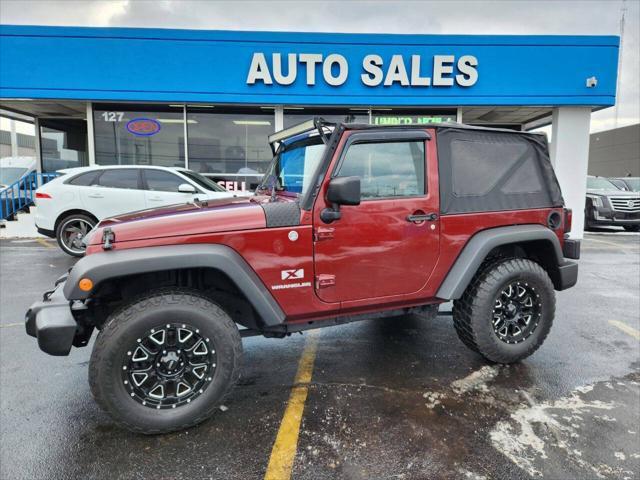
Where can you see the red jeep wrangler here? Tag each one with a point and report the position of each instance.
(351, 222)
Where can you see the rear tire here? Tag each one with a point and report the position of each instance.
(71, 231)
(142, 345)
(506, 312)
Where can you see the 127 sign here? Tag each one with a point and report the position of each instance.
(112, 116)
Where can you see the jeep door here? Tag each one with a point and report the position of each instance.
(389, 244)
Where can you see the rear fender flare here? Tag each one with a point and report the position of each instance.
(479, 246)
(100, 267)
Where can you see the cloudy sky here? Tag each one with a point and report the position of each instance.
(577, 17)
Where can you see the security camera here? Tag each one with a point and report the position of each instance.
(592, 82)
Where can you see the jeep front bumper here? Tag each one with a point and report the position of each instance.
(51, 321)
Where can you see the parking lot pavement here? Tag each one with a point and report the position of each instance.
(393, 398)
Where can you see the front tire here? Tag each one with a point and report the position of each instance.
(71, 231)
(632, 228)
(165, 361)
(507, 311)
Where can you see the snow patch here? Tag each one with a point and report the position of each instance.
(433, 399)
(516, 438)
(476, 381)
(471, 475)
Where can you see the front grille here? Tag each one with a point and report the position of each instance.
(625, 204)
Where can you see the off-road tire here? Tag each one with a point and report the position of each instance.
(472, 313)
(74, 217)
(151, 310)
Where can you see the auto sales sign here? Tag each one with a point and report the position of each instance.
(374, 71)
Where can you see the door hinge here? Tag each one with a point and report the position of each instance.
(323, 233)
(108, 237)
(324, 281)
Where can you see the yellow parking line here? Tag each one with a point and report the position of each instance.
(4, 325)
(42, 241)
(626, 328)
(286, 444)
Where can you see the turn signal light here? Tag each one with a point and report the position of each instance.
(42, 195)
(85, 284)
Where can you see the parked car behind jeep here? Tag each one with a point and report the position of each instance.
(630, 184)
(69, 206)
(607, 205)
(351, 222)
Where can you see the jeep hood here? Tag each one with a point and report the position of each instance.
(194, 218)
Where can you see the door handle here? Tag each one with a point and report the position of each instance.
(419, 218)
(156, 199)
(95, 195)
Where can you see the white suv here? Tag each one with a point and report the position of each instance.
(69, 206)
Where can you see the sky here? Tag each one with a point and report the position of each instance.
(521, 17)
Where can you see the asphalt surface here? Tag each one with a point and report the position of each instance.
(395, 398)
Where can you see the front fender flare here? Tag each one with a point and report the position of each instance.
(120, 263)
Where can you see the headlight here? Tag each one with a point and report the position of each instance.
(596, 200)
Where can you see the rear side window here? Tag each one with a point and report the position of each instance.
(479, 166)
(84, 179)
(119, 178)
(386, 170)
(161, 181)
(491, 170)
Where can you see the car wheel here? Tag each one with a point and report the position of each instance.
(165, 361)
(71, 231)
(632, 228)
(507, 311)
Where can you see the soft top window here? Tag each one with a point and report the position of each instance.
(483, 170)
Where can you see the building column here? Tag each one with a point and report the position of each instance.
(570, 159)
(14, 138)
(38, 144)
(279, 118)
(91, 144)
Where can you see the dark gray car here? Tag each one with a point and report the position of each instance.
(608, 205)
(631, 184)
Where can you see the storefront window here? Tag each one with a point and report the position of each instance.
(63, 143)
(230, 145)
(299, 115)
(140, 135)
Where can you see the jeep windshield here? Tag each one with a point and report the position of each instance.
(293, 167)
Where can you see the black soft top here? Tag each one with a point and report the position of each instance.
(437, 126)
(481, 169)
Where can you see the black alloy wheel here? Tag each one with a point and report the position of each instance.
(516, 312)
(169, 366)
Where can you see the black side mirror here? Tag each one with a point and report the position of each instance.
(341, 191)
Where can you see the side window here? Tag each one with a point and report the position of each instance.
(84, 179)
(119, 178)
(390, 169)
(161, 181)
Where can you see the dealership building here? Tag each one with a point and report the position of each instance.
(207, 100)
